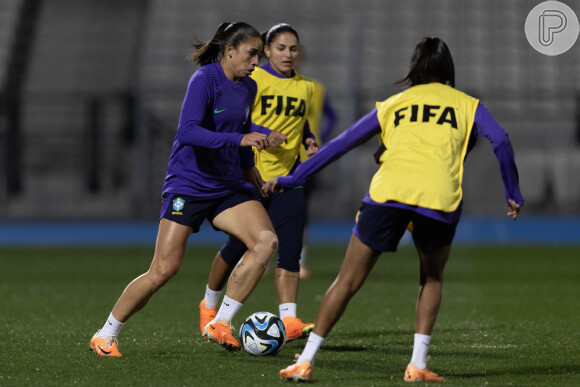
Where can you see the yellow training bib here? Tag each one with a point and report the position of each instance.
(281, 104)
(426, 130)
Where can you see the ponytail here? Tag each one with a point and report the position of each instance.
(212, 51)
(431, 62)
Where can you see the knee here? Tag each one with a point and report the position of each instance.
(431, 272)
(161, 273)
(350, 283)
(289, 256)
(431, 277)
(289, 264)
(343, 288)
(266, 247)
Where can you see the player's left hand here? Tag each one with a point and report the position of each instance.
(271, 186)
(253, 177)
(514, 209)
(311, 146)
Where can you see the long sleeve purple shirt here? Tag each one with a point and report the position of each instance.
(369, 126)
(206, 158)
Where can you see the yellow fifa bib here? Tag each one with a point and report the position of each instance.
(426, 130)
(281, 104)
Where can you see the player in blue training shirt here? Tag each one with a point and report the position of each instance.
(280, 110)
(427, 130)
(210, 162)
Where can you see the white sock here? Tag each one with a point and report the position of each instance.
(287, 310)
(211, 297)
(111, 327)
(228, 309)
(312, 346)
(420, 348)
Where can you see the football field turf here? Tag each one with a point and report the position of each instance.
(510, 316)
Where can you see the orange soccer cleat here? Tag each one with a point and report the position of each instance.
(414, 374)
(297, 372)
(104, 346)
(295, 328)
(222, 333)
(205, 314)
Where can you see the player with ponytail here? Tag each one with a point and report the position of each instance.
(427, 131)
(210, 163)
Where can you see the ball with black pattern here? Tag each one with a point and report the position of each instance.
(263, 333)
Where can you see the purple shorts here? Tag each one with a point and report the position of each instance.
(382, 227)
(192, 210)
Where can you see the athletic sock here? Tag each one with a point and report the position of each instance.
(287, 309)
(228, 309)
(211, 297)
(311, 349)
(111, 327)
(420, 348)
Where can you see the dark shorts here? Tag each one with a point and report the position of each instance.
(192, 210)
(381, 228)
(287, 211)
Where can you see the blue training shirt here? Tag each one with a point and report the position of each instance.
(206, 158)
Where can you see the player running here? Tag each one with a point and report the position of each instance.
(427, 131)
(210, 159)
(280, 110)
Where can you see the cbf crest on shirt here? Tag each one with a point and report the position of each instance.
(426, 130)
(281, 104)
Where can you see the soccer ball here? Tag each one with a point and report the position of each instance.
(263, 334)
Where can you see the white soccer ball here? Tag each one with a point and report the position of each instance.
(263, 333)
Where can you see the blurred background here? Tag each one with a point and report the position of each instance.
(92, 89)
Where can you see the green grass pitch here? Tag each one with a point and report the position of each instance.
(510, 316)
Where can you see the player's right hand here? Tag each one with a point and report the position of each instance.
(259, 140)
(311, 146)
(514, 209)
(271, 186)
(277, 138)
(253, 177)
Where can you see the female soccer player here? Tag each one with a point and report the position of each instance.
(205, 179)
(279, 110)
(427, 131)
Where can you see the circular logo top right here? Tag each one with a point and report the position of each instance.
(552, 28)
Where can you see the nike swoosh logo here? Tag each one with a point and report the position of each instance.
(216, 111)
(110, 323)
(103, 351)
(226, 304)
